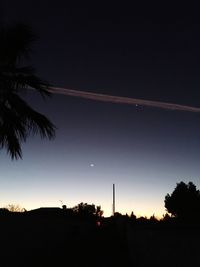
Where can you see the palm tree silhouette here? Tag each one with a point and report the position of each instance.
(17, 119)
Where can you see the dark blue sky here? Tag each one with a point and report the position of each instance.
(150, 53)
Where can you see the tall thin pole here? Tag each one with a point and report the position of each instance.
(113, 199)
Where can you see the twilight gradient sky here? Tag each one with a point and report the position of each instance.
(150, 54)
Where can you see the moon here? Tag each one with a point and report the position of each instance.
(91, 165)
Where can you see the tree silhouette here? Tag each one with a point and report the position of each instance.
(17, 119)
(88, 210)
(184, 202)
(14, 208)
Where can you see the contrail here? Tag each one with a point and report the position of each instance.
(122, 100)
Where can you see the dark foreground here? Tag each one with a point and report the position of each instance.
(29, 241)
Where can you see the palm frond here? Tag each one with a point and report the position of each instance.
(35, 122)
(17, 119)
(22, 78)
(16, 42)
(12, 131)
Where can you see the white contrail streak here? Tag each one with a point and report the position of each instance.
(122, 100)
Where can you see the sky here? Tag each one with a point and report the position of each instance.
(149, 53)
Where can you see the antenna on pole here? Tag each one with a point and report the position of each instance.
(113, 199)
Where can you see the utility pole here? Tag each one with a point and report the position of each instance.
(113, 199)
